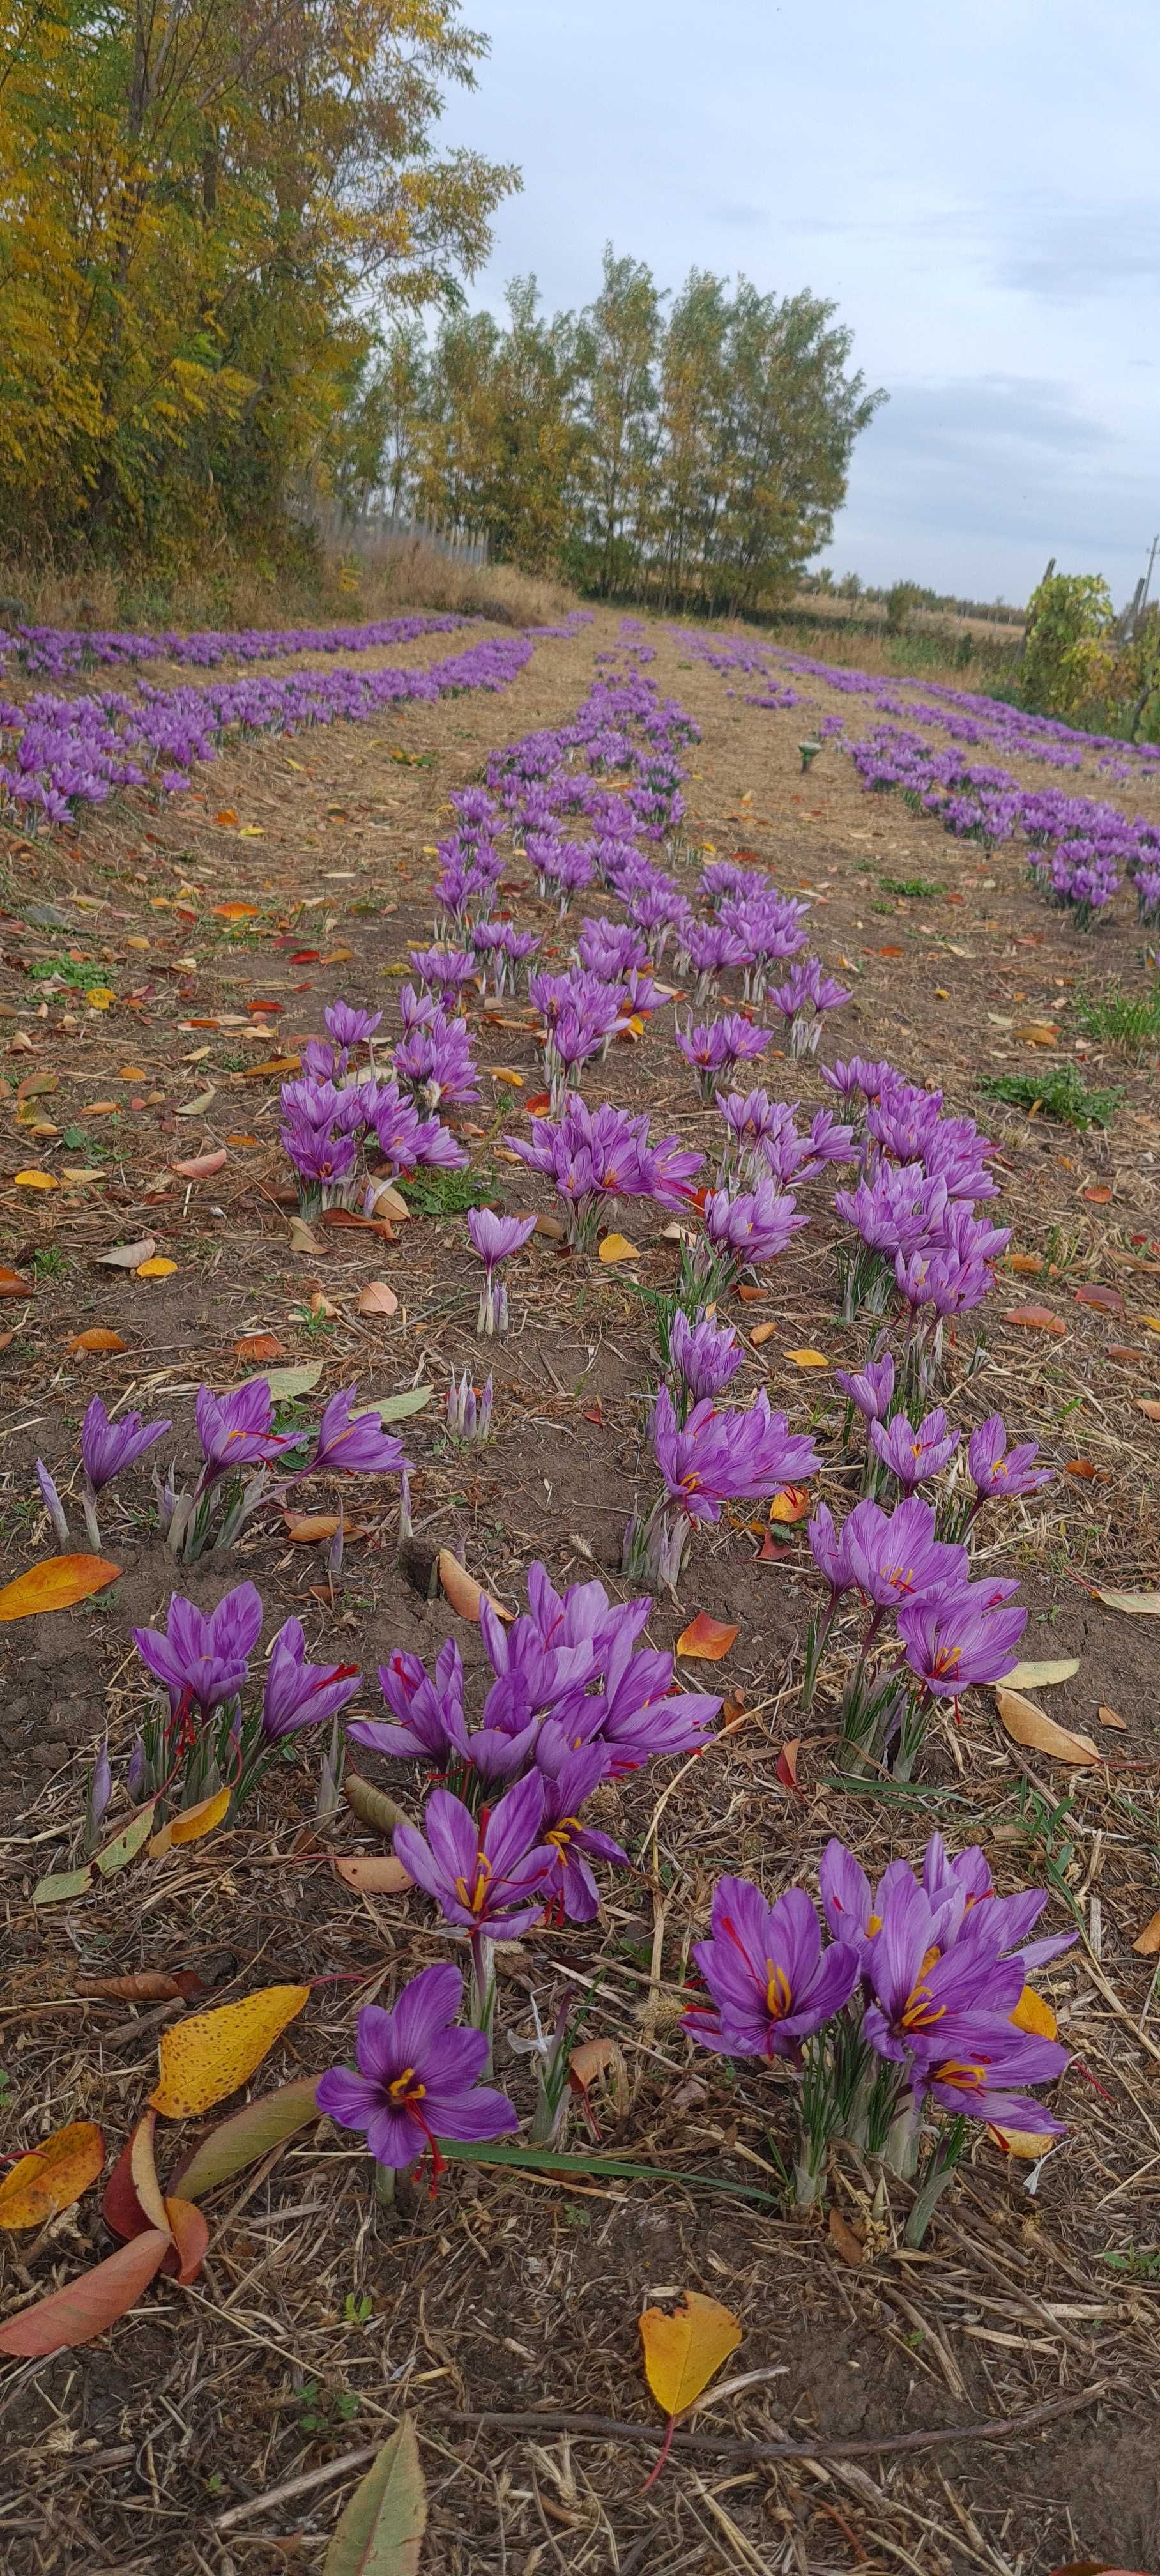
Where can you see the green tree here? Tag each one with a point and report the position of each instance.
(616, 356)
(1067, 661)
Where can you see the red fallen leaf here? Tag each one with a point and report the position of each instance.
(1083, 1467)
(120, 2207)
(260, 1009)
(201, 1167)
(592, 1413)
(1125, 1352)
(190, 2239)
(786, 1764)
(748, 1295)
(706, 1640)
(892, 952)
(1035, 1319)
(1098, 1193)
(769, 1554)
(1107, 1301)
(539, 1104)
(305, 956)
(86, 2307)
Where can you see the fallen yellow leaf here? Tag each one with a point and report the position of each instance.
(762, 1333)
(52, 2176)
(99, 997)
(208, 2056)
(1034, 2016)
(705, 1640)
(157, 1268)
(1029, 1725)
(192, 1823)
(1029, 2144)
(808, 1359)
(683, 2351)
(36, 1181)
(616, 1247)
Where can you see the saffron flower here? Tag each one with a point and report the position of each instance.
(355, 1443)
(301, 1694)
(913, 1455)
(997, 1470)
(896, 1558)
(706, 1356)
(717, 1047)
(107, 1447)
(771, 1982)
(418, 2076)
(486, 1873)
(572, 1886)
(349, 1026)
(495, 1238)
(953, 1642)
(870, 1388)
(717, 1457)
(203, 1656)
(235, 1430)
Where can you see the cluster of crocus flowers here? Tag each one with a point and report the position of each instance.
(206, 1737)
(739, 1231)
(952, 1632)
(334, 1108)
(495, 1238)
(593, 1156)
(236, 1431)
(710, 1458)
(714, 1049)
(468, 1415)
(806, 994)
(916, 2007)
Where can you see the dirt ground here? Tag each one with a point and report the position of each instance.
(197, 2434)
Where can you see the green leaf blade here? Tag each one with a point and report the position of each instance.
(381, 2531)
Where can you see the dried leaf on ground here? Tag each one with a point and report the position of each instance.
(808, 1359)
(259, 1346)
(1034, 2015)
(844, 2241)
(14, 1284)
(52, 2175)
(128, 1256)
(376, 1873)
(463, 1592)
(380, 2531)
(377, 1298)
(201, 1166)
(97, 1337)
(1035, 1319)
(1025, 1677)
(208, 2056)
(1147, 1942)
(372, 1806)
(1110, 1717)
(1026, 1724)
(683, 2351)
(616, 1247)
(706, 1640)
(86, 2307)
(57, 1583)
(1140, 1605)
(787, 1762)
(192, 1823)
(247, 2135)
(790, 1506)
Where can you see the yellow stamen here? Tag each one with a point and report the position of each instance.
(778, 1993)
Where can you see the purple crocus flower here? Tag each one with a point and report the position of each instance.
(52, 1503)
(706, 1355)
(235, 1429)
(913, 1455)
(870, 1388)
(203, 1656)
(107, 1447)
(955, 1641)
(718, 1456)
(572, 1887)
(495, 1238)
(349, 1026)
(487, 1874)
(897, 1558)
(828, 1552)
(301, 1694)
(418, 2076)
(978, 2058)
(997, 1470)
(772, 1984)
(354, 1443)
(431, 1723)
(753, 1227)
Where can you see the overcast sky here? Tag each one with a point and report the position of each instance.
(974, 184)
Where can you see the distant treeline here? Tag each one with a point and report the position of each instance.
(684, 451)
(902, 596)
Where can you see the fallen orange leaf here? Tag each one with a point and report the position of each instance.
(57, 1583)
(235, 911)
(200, 1166)
(14, 1284)
(259, 1346)
(378, 1872)
(1034, 2016)
(463, 1592)
(786, 1763)
(706, 1640)
(1109, 1717)
(97, 1337)
(377, 1299)
(808, 1359)
(157, 1267)
(208, 2056)
(792, 1504)
(1147, 1942)
(52, 2176)
(1035, 1319)
(1029, 2144)
(762, 1333)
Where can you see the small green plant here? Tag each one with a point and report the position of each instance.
(322, 2407)
(1130, 1021)
(50, 1263)
(357, 2310)
(1059, 1092)
(66, 970)
(914, 888)
(1142, 2265)
(434, 1193)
